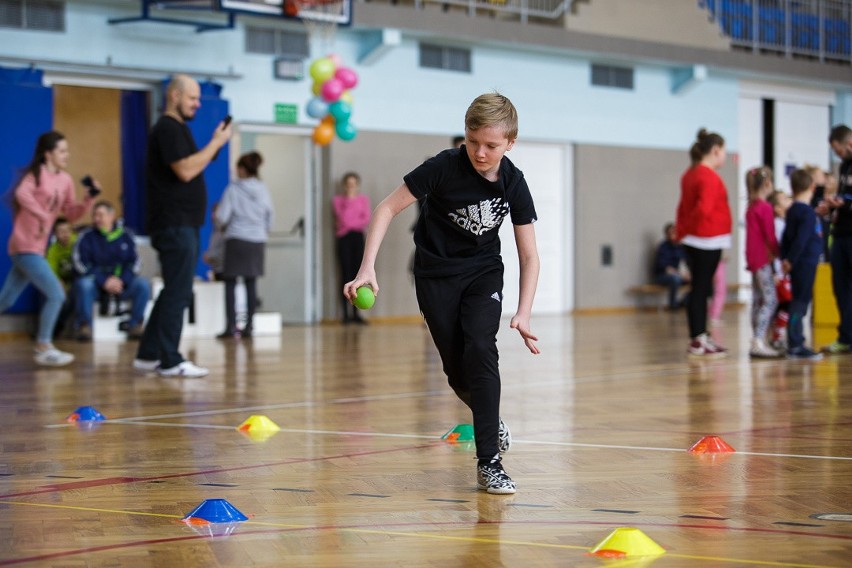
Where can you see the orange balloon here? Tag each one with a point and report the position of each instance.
(323, 134)
(327, 119)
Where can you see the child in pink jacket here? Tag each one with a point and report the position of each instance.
(761, 249)
(45, 192)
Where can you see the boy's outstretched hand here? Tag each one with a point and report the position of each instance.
(523, 327)
(364, 278)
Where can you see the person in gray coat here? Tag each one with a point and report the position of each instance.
(246, 213)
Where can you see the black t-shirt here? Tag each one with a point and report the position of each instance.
(843, 223)
(172, 202)
(461, 213)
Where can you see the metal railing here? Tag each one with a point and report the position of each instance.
(547, 9)
(819, 29)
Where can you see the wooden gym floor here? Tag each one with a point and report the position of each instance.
(358, 474)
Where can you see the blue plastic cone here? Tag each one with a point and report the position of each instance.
(214, 511)
(85, 414)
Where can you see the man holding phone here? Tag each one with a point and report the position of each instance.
(176, 209)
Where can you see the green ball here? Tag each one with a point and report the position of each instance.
(365, 298)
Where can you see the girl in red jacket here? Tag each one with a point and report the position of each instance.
(704, 228)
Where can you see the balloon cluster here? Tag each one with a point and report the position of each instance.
(332, 100)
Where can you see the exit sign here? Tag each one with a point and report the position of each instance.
(286, 113)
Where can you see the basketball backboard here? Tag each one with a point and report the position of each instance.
(277, 8)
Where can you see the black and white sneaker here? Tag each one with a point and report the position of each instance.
(491, 477)
(504, 438)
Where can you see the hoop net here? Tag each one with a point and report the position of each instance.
(320, 18)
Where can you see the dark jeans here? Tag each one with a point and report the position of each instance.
(178, 252)
(674, 282)
(702, 265)
(802, 281)
(350, 249)
(463, 317)
(841, 280)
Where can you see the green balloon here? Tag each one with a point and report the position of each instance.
(322, 69)
(346, 131)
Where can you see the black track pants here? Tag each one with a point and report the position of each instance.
(463, 315)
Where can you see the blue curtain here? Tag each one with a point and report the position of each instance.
(27, 113)
(134, 141)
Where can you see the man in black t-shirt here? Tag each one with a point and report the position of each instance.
(840, 140)
(176, 205)
(465, 193)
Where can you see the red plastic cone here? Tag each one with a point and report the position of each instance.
(711, 445)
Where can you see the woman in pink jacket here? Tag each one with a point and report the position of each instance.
(44, 192)
(704, 229)
(351, 216)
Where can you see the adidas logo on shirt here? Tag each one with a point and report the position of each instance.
(496, 296)
(481, 217)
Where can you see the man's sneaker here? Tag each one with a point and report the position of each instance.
(146, 365)
(491, 477)
(837, 348)
(703, 347)
(52, 357)
(185, 369)
(803, 353)
(135, 332)
(84, 333)
(760, 350)
(504, 438)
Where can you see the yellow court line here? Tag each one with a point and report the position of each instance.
(423, 535)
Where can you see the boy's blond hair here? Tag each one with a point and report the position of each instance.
(492, 109)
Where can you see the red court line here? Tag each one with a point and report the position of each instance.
(123, 480)
(379, 527)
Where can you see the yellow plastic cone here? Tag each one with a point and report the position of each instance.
(627, 541)
(258, 428)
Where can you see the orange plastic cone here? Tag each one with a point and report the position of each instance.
(711, 445)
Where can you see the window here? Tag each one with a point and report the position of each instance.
(442, 57)
(612, 76)
(44, 15)
(269, 41)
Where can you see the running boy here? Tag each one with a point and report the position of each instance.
(465, 194)
(801, 248)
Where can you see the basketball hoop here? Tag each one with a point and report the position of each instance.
(321, 17)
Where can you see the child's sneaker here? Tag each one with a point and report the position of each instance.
(703, 347)
(803, 353)
(504, 438)
(760, 350)
(837, 348)
(491, 477)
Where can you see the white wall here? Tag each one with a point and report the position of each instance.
(547, 170)
(552, 91)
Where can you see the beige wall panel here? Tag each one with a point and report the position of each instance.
(381, 159)
(91, 120)
(624, 197)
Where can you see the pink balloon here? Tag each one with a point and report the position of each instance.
(331, 90)
(336, 59)
(346, 76)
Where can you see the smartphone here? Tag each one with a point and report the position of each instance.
(89, 184)
(227, 120)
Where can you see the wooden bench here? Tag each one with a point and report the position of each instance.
(659, 294)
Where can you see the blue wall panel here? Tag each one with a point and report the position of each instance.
(27, 108)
